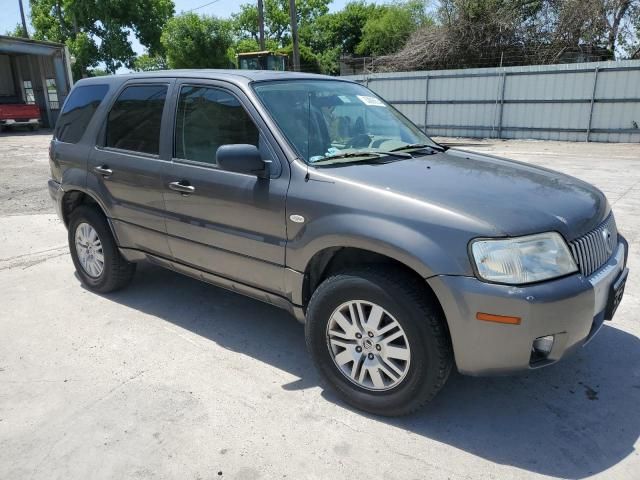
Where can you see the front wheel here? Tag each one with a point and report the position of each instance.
(379, 339)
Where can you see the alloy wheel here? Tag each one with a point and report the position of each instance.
(89, 250)
(368, 345)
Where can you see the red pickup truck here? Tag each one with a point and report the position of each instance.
(14, 115)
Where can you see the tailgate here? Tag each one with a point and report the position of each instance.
(15, 112)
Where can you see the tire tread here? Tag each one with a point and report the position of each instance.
(396, 279)
(119, 271)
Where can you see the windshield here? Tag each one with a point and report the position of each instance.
(324, 119)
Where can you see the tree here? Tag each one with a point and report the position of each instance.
(339, 33)
(485, 33)
(18, 31)
(146, 63)
(342, 29)
(308, 60)
(390, 27)
(631, 43)
(276, 18)
(97, 31)
(193, 41)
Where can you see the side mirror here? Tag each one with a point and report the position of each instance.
(242, 158)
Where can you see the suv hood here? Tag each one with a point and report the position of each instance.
(516, 198)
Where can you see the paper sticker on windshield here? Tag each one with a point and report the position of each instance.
(344, 99)
(371, 101)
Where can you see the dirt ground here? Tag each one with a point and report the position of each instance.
(25, 170)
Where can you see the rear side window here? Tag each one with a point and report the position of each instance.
(78, 111)
(134, 120)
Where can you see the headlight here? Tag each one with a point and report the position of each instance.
(523, 259)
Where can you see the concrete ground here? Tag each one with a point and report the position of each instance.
(173, 378)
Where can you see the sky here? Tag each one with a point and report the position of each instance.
(221, 8)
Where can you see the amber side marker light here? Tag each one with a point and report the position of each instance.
(489, 317)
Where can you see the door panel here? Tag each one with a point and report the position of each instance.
(133, 194)
(232, 224)
(127, 168)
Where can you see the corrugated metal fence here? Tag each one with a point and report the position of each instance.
(576, 102)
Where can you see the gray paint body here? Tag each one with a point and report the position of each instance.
(235, 230)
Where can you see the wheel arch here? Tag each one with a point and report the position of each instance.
(73, 198)
(334, 259)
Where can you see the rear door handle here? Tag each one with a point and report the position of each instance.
(103, 170)
(182, 186)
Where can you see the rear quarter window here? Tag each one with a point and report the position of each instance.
(78, 111)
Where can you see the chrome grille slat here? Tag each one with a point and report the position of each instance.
(585, 255)
(602, 253)
(591, 251)
(582, 259)
(596, 249)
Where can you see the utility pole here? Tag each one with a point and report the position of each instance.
(24, 21)
(294, 35)
(261, 23)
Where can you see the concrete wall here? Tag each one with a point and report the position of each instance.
(597, 101)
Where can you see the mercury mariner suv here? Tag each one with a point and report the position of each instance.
(402, 257)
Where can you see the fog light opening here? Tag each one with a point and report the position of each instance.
(541, 348)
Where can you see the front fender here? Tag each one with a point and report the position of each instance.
(426, 254)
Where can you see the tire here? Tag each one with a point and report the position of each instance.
(116, 272)
(420, 318)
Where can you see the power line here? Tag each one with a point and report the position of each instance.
(202, 6)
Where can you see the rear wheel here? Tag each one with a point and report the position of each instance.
(379, 339)
(95, 254)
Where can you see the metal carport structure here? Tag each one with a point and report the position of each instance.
(33, 71)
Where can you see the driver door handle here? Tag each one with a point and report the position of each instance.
(103, 170)
(183, 187)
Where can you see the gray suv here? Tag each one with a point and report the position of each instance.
(402, 257)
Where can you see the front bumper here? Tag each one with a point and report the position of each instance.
(9, 122)
(571, 308)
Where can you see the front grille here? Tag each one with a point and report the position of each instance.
(591, 251)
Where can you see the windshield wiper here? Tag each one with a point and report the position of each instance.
(365, 156)
(418, 146)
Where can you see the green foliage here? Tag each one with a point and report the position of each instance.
(98, 72)
(329, 61)
(147, 63)
(276, 18)
(631, 43)
(343, 29)
(308, 60)
(338, 33)
(18, 31)
(247, 45)
(85, 53)
(363, 28)
(97, 30)
(245, 23)
(193, 41)
(390, 26)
